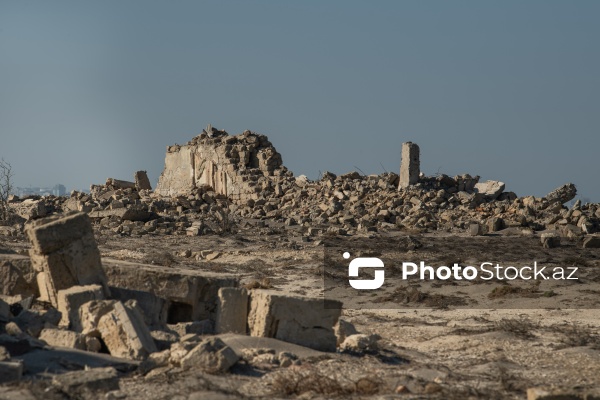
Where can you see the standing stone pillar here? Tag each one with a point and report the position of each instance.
(410, 168)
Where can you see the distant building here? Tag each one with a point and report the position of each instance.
(59, 190)
(56, 190)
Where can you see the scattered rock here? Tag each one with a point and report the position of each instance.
(211, 355)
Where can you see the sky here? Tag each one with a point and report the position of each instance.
(508, 90)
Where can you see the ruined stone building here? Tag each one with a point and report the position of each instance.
(234, 166)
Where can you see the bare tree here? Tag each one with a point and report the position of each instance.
(5, 188)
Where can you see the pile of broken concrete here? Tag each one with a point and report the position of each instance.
(64, 305)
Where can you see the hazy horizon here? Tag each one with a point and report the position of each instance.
(506, 90)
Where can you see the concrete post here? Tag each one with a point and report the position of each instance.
(410, 168)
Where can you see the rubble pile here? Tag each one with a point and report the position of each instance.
(218, 182)
(63, 296)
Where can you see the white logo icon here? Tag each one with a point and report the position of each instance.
(365, 262)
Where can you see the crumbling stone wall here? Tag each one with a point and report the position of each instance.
(235, 166)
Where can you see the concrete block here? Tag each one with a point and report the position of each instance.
(410, 166)
(300, 320)
(141, 181)
(232, 311)
(211, 355)
(120, 326)
(65, 250)
(63, 338)
(192, 294)
(70, 300)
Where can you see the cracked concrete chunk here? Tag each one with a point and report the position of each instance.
(300, 320)
(490, 189)
(70, 300)
(120, 326)
(65, 252)
(211, 355)
(87, 383)
(141, 181)
(62, 338)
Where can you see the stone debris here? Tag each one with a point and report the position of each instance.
(294, 319)
(217, 183)
(360, 343)
(562, 194)
(29, 209)
(63, 338)
(65, 254)
(490, 189)
(550, 240)
(118, 184)
(141, 181)
(211, 355)
(120, 326)
(17, 277)
(71, 299)
(475, 229)
(85, 384)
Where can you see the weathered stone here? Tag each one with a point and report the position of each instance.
(410, 167)
(304, 321)
(10, 371)
(550, 240)
(230, 165)
(192, 294)
(118, 184)
(65, 251)
(63, 338)
(17, 276)
(125, 214)
(211, 355)
(344, 329)
(562, 194)
(154, 308)
(30, 209)
(141, 181)
(70, 300)
(121, 327)
(490, 189)
(90, 314)
(360, 343)
(232, 310)
(495, 224)
(125, 334)
(475, 229)
(591, 242)
(88, 383)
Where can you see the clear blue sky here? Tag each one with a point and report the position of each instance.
(508, 90)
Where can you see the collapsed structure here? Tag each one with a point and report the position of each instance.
(233, 166)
